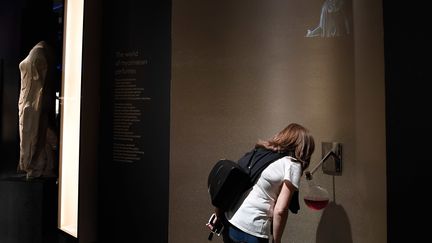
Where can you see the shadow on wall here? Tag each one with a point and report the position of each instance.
(334, 226)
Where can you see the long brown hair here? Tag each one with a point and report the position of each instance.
(295, 140)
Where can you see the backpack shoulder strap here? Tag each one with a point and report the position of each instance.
(255, 161)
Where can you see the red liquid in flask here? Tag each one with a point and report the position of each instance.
(316, 204)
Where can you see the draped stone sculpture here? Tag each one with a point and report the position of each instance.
(36, 108)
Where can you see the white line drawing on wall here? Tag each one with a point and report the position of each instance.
(333, 20)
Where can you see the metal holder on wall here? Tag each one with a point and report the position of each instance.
(333, 164)
(332, 156)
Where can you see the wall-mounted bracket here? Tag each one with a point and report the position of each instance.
(333, 164)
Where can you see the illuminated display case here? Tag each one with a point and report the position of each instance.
(70, 118)
(79, 117)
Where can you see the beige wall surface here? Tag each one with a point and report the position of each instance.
(243, 70)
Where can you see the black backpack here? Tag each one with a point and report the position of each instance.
(228, 180)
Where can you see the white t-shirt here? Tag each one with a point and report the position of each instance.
(254, 214)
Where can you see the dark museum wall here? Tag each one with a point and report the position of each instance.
(407, 58)
(10, 54)
(135, 120)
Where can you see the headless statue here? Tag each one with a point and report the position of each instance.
(36, 107)
(333, 21)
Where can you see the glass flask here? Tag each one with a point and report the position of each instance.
(316, 197)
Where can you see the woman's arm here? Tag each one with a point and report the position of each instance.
(280, 212)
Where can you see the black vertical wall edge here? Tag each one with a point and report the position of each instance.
(134, 185)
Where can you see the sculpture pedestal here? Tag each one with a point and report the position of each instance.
(28, 210)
